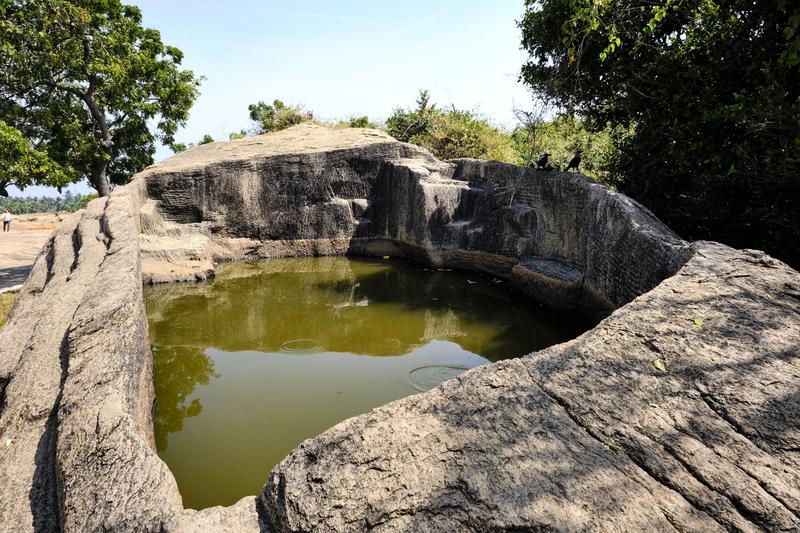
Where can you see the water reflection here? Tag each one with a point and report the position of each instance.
(269, 353)
(180, 370)
(356, 306)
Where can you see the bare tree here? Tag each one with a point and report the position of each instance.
(530, 122)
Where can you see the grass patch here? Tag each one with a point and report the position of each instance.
(6, 303)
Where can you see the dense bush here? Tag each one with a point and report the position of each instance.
(278, 116)
(559, 137)
(450, 133)
(205, 139)
(453, 133)
(707, 95)
(361, 121)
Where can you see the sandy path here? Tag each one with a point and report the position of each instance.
(20, 246)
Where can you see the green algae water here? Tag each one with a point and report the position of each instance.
(271, 352)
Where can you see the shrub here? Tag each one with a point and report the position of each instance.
(278, 116)
(450, 133)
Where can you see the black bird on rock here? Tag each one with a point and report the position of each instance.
(576, 160)
(541, 164)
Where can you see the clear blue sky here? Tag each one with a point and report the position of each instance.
(340, 59)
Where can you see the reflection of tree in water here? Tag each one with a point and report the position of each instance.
(178, 370)
(360, 306)
(442, 326)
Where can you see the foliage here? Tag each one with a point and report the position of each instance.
(456, 133)
(360, 121)
(83, 79)
(404, 124)
(6, 303)
(22, 165)
(67, 202)
(277, 116)
(450, 133)
(182, 147)
(559, 137)
(707, 96)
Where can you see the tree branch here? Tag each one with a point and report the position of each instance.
(97, 113)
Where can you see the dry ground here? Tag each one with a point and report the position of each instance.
(20, 246)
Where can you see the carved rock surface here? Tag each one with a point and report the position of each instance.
(678, 411)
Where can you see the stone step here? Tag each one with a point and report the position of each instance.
(553, 269)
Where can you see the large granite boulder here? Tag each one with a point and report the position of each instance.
(678, 411)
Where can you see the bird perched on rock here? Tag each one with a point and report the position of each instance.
(576, 160)
(541, 164)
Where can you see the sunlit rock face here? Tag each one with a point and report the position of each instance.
(310, 190)
(678, 411)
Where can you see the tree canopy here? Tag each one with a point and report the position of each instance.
(22, 165)
(706, 94)
(83, 80)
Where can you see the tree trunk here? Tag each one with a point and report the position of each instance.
(98, 179)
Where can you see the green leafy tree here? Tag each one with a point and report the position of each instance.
(84, 79)
(207, 139)
(22, 165)
(361, 122)
(278, 116)
(180, 147)
(706, 95)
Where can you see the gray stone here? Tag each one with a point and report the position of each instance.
(587, 435)
(678, 411)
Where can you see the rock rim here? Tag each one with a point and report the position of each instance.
(678, 411)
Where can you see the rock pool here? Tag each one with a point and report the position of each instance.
(271, 352)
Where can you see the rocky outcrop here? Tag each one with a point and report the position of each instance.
(562, 238)
(76, 392)
(679, 411)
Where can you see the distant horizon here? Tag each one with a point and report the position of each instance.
(350, 59)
